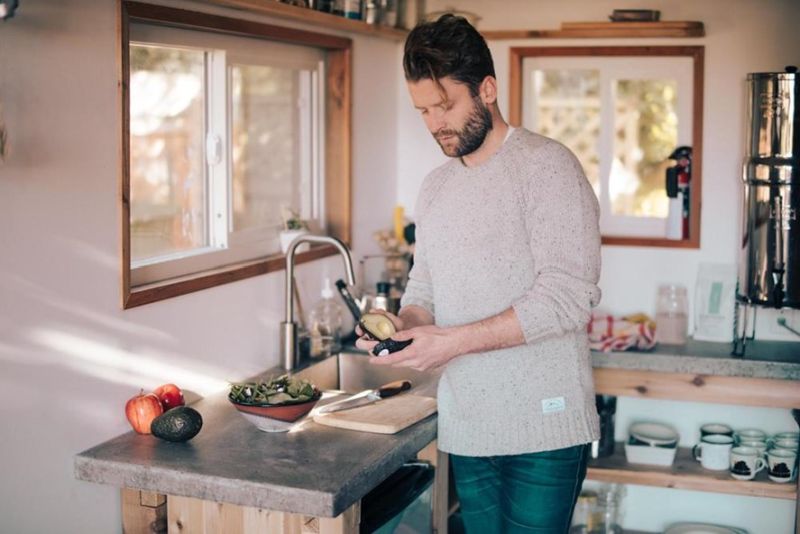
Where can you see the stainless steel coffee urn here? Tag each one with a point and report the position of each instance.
(769, 263)
(769, 271)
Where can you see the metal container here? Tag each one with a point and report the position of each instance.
(769, 270)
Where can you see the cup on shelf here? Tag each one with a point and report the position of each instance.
(746, 462)
(786, 443)
(782, 465)
(786, 435)
(750, 434)
(715, 428)
(713, 452)
(761, 446)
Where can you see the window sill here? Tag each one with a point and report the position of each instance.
(319, 19)
(149, 293)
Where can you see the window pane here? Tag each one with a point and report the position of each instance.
(269, 141)
(568, 110)
(645, 133)
(167, 125)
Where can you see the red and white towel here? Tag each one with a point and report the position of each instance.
(608, 333)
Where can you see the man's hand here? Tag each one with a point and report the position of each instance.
(432, 347)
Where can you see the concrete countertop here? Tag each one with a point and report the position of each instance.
(763, 359)
(321, 471)
(313, 470)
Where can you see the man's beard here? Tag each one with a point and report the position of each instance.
(472, 135)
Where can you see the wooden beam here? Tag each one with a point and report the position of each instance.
(698, 388)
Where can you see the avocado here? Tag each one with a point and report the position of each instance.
(178, 424)
(377, 326)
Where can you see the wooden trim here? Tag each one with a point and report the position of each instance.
(224, 275)
(309, 16)
(338, 110)
(697, 53)
(737, 390)
(194, 20)
(338, 167)
(684, 473)
(123, 104)
(590, 30)
(441, 498)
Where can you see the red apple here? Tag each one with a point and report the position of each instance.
(141, 410)
(170, 396)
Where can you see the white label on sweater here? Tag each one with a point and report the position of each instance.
(556, 404)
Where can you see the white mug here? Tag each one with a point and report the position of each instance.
(714, 451)
(760, 446)
(781, 465)
(786, 435)
(750, 434)
(715, 428)
(746, 462)
(790, 444)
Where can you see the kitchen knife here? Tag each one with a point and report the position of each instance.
(368, 396)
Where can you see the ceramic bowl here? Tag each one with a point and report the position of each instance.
(275, 417)
(654, 434)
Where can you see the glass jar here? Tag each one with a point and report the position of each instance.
(672, 315)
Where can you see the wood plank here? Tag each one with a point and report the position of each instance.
(604, 30)
(698, 388)
(196, 20)
(143, 512)
(196, 516)
(309, 16)
(685, 473)
(338, 148)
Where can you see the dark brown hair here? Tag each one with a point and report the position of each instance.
(450, 47)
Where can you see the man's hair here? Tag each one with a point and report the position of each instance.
(450, 47)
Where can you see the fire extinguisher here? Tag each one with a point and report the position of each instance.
(679, 177)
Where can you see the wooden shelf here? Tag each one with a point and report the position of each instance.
(588, 30)
(322, 20)
(685, 473)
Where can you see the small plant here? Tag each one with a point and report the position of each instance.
(291, 220)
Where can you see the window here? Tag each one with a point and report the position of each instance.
(623, 113)
(227, 123)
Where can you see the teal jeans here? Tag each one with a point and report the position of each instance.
(531, 493)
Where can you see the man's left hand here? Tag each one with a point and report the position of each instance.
(432, 347)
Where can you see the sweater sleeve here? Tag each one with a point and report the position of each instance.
(419, 288)
(562, 221)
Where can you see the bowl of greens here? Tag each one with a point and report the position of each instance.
(276, 404)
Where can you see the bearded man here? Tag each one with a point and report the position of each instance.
(505, 274)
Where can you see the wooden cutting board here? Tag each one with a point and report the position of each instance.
(387, 416)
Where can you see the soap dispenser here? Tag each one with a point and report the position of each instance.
(325, 323)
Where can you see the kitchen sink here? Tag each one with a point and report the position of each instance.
(352, 372)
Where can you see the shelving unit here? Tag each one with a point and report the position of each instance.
(322, 20)
(589, 30)
(685, 473)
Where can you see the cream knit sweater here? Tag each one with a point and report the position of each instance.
(521, 231)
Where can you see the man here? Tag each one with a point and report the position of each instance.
(506, 265)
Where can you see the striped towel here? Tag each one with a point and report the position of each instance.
(608, 333)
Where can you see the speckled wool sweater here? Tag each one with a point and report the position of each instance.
(520, 230)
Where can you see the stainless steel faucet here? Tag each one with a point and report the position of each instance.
(289, 343)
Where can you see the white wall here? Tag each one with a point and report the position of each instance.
(742, 36)
(69, 356)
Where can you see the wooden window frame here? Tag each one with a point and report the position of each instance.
(697, 53)
(338, 107)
